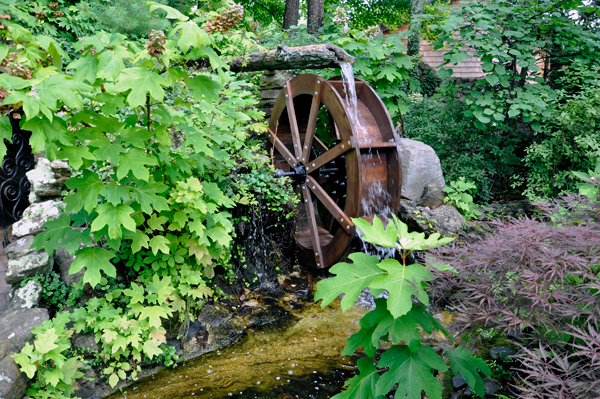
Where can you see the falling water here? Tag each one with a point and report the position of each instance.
(350, 100)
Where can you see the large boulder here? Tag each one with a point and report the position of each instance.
(420, 168)
(19, 248)
(35, 216)
(27, 266)
(444, 219)
(64, 260)
(13, 383)
(16, 326)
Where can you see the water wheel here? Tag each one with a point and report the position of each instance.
(346, 164)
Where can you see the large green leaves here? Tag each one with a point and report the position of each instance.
(95, 260)
(114, 217)
(351, 279)
(467, 365)
(411, 371)
(86, 195)
(402, 282)
(134, 161)
(141, 81)
(363, 385)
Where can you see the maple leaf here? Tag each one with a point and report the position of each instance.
(88, 188)
(411, 371)
(219, 235)
(56, 230)
(134, 161)
(157, 222)
(114, 217)
(141, 81)
(85, 68)
(375, 233)
(107, 150)
(115, 194)
(146, 194)
(136, 293)
(94, 260)
(153, 314)
(204, 86)
(160, 243)
(364, 337)
(402, 282)
(461, 361)
(46, 341)
(53, 376)
(75, 155)
(141, 240)
(350, 279)
(151, 348)
(362, 386)
(159, 335)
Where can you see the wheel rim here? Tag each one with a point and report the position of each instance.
(330, 198)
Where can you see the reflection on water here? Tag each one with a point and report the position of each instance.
(299, 361)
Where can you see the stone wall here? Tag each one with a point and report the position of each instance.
(21, 314)
(271, 83)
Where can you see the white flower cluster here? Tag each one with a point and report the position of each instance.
(340, 16)
(372, 31)
(415, 98)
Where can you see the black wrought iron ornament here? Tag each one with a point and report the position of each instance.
(14, 186)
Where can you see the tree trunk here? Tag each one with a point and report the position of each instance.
(304, 57)
(316, 12)
(416, 12)
(290, 17)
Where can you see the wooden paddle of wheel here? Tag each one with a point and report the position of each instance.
(343, 171)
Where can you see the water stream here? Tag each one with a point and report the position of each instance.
(302, 360)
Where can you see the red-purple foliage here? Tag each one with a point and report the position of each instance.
(541, 276)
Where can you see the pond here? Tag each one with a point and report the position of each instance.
(300, 360)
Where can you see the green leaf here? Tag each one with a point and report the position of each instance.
(146, 194)
(151, 348)
(172, 13)
(375, 233)
(75, 155)
(87, 187)
(94, 260)
(114, 217)
(141, 240)
(134, 160)
(411, 371)
(159, 243)
(136, 293)
(64, 88)
(85, 68)
(55, 231)
(401, 329)
(350, 279)
(157, 222)
(402, 282)
(364, 337)
(46, 341)
(141, 81)
(205, 86)
(362, 386)
(115, 194)
(153, 314)
(113, 380)
(461, 361)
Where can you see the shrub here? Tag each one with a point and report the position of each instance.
(540, 279)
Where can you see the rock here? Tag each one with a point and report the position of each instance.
(420, 168)
(456, 395)
(85, 341)
(19, 248)
(43, 180)
(458, 382)
(35, 216)
(444, 219)
(13, 383)
(214, 329)
(270, 93)
(60, 168)
(273, 81)
(16, 325)
(447, 218)
(27, 266)
(502, 352)
(434, 196)
(492, 386)
(64, 261)
(26, 297)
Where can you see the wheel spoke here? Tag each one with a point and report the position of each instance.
(331, 206)
(312, 121)
(312, 225)
(329, 156)
(283, 150)
(289, 103)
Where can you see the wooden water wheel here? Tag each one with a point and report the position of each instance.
(342, 169)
